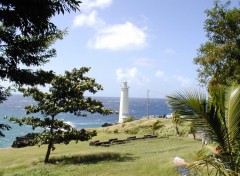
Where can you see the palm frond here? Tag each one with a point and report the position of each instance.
(233, 112)
(212, 166)
(194, 107)
(220, 115)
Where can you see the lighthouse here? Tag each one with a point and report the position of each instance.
(123, 110)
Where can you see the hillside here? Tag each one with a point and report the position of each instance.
(143, 126)
(133, 158)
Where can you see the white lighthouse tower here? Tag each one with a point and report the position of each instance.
(123, 110)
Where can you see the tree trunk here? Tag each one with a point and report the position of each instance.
(177, 131)
(48, 151)
(50, 144)
(194, 136)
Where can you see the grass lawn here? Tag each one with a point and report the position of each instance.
(135, 158)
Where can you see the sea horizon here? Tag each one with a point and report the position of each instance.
(14, 107)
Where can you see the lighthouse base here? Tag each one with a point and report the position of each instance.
(122, 118)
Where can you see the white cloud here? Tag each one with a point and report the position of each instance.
(131, 75)
(144, 62)
(91, 19)
(169, 51)
(89, 4)
(162, 76)
(184, 81)
(159, 74)
(120, 36)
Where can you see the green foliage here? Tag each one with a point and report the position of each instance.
(61, 133)
(1, 172)
(132, 131)
(26, 35)
(128, 119)
(66, 94)
(177, 121)
(206, 158)
(115, 131)
(218, 58)
(4, 93)
(220, 116)
(144, 126)
(165, 132)
(181, 127)
(3, 127)
(156, 126)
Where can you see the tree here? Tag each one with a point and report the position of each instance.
(192, 130)
(26, 34)
(156, 126)
(219, 57)
(66, 94)
(5, 92)
(177, 121)
(220, 116)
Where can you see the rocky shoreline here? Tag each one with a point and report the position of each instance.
(24, 141)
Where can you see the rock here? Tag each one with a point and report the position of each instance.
(107, 124)
(24, 141)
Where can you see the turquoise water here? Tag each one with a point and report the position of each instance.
(14, 107)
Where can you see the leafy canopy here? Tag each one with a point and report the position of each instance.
(26, 35)
(66, 95)
(218, 58)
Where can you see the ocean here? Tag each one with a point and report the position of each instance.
(15, 104)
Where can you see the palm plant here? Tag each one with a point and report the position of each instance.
(177, 121)
(156, 126)
(219, 115)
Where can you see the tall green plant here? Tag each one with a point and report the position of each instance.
(218, 57)
(26, 38)
(219, 115)
(177, 121)
(66, 95)
(156, 126)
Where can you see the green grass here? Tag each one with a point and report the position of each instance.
(135, 158)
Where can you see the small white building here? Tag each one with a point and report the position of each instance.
(124, 109)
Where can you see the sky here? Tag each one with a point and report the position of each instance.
(150, 44)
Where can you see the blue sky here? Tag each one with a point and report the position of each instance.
(150, 44)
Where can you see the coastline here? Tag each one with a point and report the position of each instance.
(5, 148)
(14, 107)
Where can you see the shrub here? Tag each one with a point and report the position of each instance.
(131, 131)
(128, 119)
(115, 131)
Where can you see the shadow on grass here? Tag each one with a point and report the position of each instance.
(92, 158)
